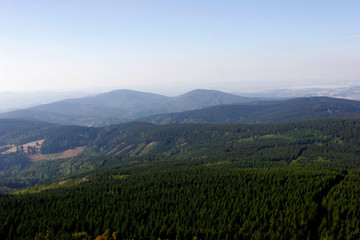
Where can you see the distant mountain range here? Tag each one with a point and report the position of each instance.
(122, 106)
(197, 106)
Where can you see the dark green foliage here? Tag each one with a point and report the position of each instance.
(16, 125)
(323, 143)
(47, 170)
(334, 143)
(11, 165)
(13, 162)
(31, 150)
(297, 109)
(145, 181)
(63, 138)
(16, 131)
(206, 202)
(342, 205)
(57, 138)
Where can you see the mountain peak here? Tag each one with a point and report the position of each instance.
(122, 105)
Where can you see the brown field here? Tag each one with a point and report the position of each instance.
(39, 157)
(30, 144)
(66, 154)
(123, 149)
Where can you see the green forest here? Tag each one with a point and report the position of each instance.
(214, 202)
(137, 180)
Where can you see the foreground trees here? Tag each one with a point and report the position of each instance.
(202, 202)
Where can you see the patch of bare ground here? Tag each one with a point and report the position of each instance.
(34, 144)
(146, 148)
(36, 156)
(109, 148)
(66, 154)
(4, 148)
(123, 150)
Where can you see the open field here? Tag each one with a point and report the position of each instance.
(36, 144)
(65, 154)
(36, 156)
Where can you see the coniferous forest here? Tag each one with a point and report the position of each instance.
(296, 180)
(179, 120)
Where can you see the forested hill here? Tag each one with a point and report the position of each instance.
(331, 143)
(197, 106)
(319, 142)
(188, 181)
(12, 126)
(290, 110)
(17, 132)
(141, 138)
(183, 181)
(138, 138)
(122, 106)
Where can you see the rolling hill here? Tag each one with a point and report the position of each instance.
(132, 178)
(290, 110)
(121, 106)
(334, 142)
(33, 151)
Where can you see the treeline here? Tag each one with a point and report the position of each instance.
(202, 202)
(331, 143)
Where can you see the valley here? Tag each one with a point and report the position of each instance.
(179, 120)
(207, 176)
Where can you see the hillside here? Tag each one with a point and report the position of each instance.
(24, 142)
(332, 143)
(290, 110)
(121, 106)
(203, 202)
(144, 181)
(13, 126)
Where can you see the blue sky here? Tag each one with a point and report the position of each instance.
(169, 46)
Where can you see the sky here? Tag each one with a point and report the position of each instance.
(171, 46)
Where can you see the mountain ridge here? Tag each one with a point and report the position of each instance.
(296, 109)
(121, 106)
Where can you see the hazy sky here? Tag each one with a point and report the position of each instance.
(179, 44)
